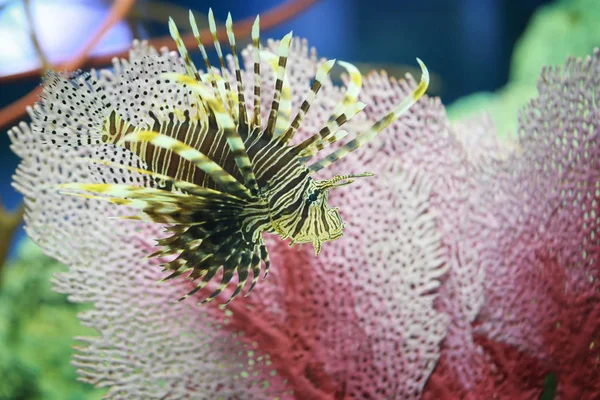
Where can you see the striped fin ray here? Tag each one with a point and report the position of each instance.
(244, 267)
(183, 52)
(352, 90)
(232, 136)
(378, 126)
(243, 118)
(320, 77)
(331, 128)
(229, 269)
(206, 276)
(209, 70)
(264, 256)
(230, 254)
(124, 191)
(256, 118)
(285, 103)
(284, 48)
(255, 266)
(202, 162)
(219, 83)
(189, 187)
(311, 151)
(213, 30)
(191, 254)
(160, 205)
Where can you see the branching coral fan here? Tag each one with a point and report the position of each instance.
(468, 267)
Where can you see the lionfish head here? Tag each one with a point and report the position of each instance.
(321, 222)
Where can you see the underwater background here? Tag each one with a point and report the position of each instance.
(482, 55)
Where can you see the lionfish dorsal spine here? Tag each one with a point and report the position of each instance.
(321, 75)
(243, 117)
(352, 89)
(256, 118)
(226, 119)
(331, 128)
(224, 73)
(285, 101)
(212, 77)
(190, 67)
(284, 48)
(378, 126)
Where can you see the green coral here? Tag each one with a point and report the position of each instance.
(557, 31)
(37, 327)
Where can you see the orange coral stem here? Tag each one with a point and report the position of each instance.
(119, 10)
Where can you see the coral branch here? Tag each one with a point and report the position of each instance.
(119, 10)
(17, 109)
(33, 35)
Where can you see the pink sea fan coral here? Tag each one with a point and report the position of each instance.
(539, 247)
(356, 322)
(542, 283)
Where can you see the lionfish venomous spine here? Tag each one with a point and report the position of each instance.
(216, 176)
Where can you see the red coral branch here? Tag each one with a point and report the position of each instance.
(292, 348)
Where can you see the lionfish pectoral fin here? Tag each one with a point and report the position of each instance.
(184, 185)
(378, 126)
(201, 161)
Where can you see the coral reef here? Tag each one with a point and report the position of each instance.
(541, 314)
(469, 268)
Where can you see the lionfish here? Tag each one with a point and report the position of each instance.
(217, 178)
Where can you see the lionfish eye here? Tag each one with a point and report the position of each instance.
(313, 196)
